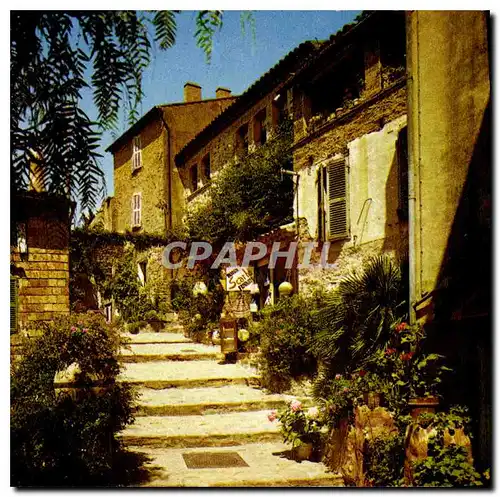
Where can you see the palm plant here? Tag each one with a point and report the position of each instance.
(357, 318)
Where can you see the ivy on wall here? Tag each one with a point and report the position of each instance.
(248, 197)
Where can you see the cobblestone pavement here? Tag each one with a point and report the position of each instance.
(190, 402)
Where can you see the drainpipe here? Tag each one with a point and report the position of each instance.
(169, 173)
(168, 225)
(413, 159)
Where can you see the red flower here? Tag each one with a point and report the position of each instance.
(407, 356)
(362, 373)
(401, 326)
(390, 351)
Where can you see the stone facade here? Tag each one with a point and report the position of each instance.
(162, 132)
(40, 266)
(364, 131)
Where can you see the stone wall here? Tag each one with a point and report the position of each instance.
(152, 180)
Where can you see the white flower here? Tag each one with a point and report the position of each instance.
(313, 413)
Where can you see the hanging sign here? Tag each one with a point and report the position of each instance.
(239, 279)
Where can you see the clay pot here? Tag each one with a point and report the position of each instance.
(373, 399)
(420, 405)
(302, 452)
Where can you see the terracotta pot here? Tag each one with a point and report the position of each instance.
(420, 405)
(302, 452)
(373, 399)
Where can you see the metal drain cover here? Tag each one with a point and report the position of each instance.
(199, 460)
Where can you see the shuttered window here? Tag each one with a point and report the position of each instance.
(14, 303)
(337, 212)
(136, 209)
(136, 153)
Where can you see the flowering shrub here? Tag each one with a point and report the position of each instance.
(299, 425)
(286, 332)
(56, 440)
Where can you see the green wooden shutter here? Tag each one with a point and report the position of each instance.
(14, 304)
(337, 209)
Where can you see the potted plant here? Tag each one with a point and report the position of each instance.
(414, 376)
(371, 387)
(154, 320)
(300, 428)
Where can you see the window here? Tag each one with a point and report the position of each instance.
(260, 131)
(136, 153)
(242, 140)
(108, 309)
(402, 154)
(141, 272)
(333, 219)
(136, 209)
(193, 173)
(206, 167)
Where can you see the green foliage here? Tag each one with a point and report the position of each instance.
(198, 313)
(298, 426)
(445, 467)
(56, 440)
(285, 331)
(247, 197)
(51, 55)
(357, 319)
(384, 458)
(132, 303)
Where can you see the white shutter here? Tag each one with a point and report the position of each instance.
(136, 209)
(337, 212)
(136, 153)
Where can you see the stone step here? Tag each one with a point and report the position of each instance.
(205, 400)
(186, 374)
(269, 465)
(152, 338)
(144, 352)
(210, 430)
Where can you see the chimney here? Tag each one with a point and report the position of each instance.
(192, 92)
(222, 92)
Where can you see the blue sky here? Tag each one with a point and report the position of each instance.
(237, 59)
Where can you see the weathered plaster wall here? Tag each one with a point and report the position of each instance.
(448, 96)
(368, 138)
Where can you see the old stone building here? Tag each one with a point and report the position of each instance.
(148, 193)
(347, 99)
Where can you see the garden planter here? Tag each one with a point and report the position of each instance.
(373, 399)
(419, 405)
(156, 326)
(302, 452)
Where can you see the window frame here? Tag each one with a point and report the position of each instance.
(204, 162)
(136, 153)
(136, 210)
(326, 200)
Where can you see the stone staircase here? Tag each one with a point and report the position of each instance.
(202, 423)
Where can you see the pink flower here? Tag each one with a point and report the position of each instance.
(73, 328)
(345, 390)
(272, 416)
(85, 330)
(295, 405)
(338, 376)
